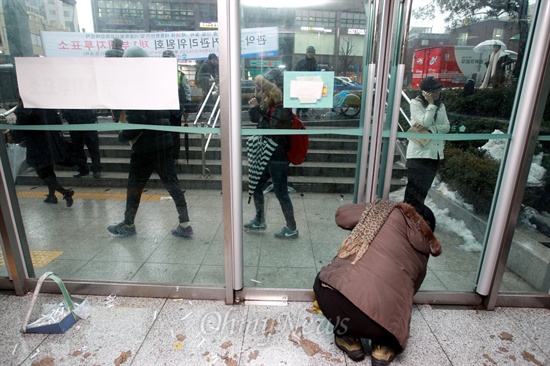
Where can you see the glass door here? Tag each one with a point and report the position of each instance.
(477, 65)
(408, 48)
(288, 230)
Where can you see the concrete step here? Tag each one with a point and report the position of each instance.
(302, 184)
(330, 166)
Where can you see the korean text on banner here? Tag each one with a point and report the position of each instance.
(195, 45)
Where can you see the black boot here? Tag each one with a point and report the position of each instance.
(51, 198)
(68, 197)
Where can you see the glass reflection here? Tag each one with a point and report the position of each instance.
(477, 58)
(72, 240)
(321, 38)
(527, 269)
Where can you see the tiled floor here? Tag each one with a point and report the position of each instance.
(143, 331)
(89, 252)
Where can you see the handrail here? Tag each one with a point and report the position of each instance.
(8, 112)
(210, 92)
(212, 122)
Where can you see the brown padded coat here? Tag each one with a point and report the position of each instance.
(383, 282)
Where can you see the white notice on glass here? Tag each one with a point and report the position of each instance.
(307, 89)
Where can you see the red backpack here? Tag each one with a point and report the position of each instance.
(299, 144)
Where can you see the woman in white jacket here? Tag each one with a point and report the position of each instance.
(427, 114)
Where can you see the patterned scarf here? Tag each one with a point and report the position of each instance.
(260, 150)
(358, 241)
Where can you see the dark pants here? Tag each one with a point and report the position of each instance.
(141, 168)
(91, 140)
(175, 120)
(278, 172)
(348, 319)
(420, 176)
(47, 175)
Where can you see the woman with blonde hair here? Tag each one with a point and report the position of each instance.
(267, 155)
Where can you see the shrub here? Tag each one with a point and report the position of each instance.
(472, 174)
(469, 170)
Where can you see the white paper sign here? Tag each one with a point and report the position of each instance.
(98, 83)
(307, 89)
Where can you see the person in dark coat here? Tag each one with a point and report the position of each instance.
(151, 151)
(115, 51)
(175, 115)
(209, 70)
(367, 290)
(44, 148)
(308, 63)
(267, 156)
(88, 138)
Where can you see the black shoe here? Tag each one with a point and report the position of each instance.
(51, 198)
(81, 174)
(351, 346)
(122, 229)
(68, 196)
(97, 175)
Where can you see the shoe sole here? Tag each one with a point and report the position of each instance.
(254, 228)
(288, 237)
(120, 234)
(378, 362)
(182, 235)
(357, 355)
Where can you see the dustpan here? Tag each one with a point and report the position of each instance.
(59, 319)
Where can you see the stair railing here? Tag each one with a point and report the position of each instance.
(212, 122)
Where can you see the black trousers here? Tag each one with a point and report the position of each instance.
(348, 319)
(175, 120)
(141, 168)
(47, 175)
(420, 176)
(91, 140)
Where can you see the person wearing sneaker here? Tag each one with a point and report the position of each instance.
(151, 151)
(44, 148)
(367, 290)
(267, 155)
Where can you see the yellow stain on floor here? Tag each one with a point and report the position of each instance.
(94, 196)
(40, 258)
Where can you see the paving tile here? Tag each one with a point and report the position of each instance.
(15, 346)
(108, 271)
(290, 253)
(179, 250)
(130, 249)
(194, 333)
(288, 335)
(210, 275)
(432, 283)
(166, 273)
(534, 323)
(456, 280)
(286, 277)
(112, 334)
(472, 337)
